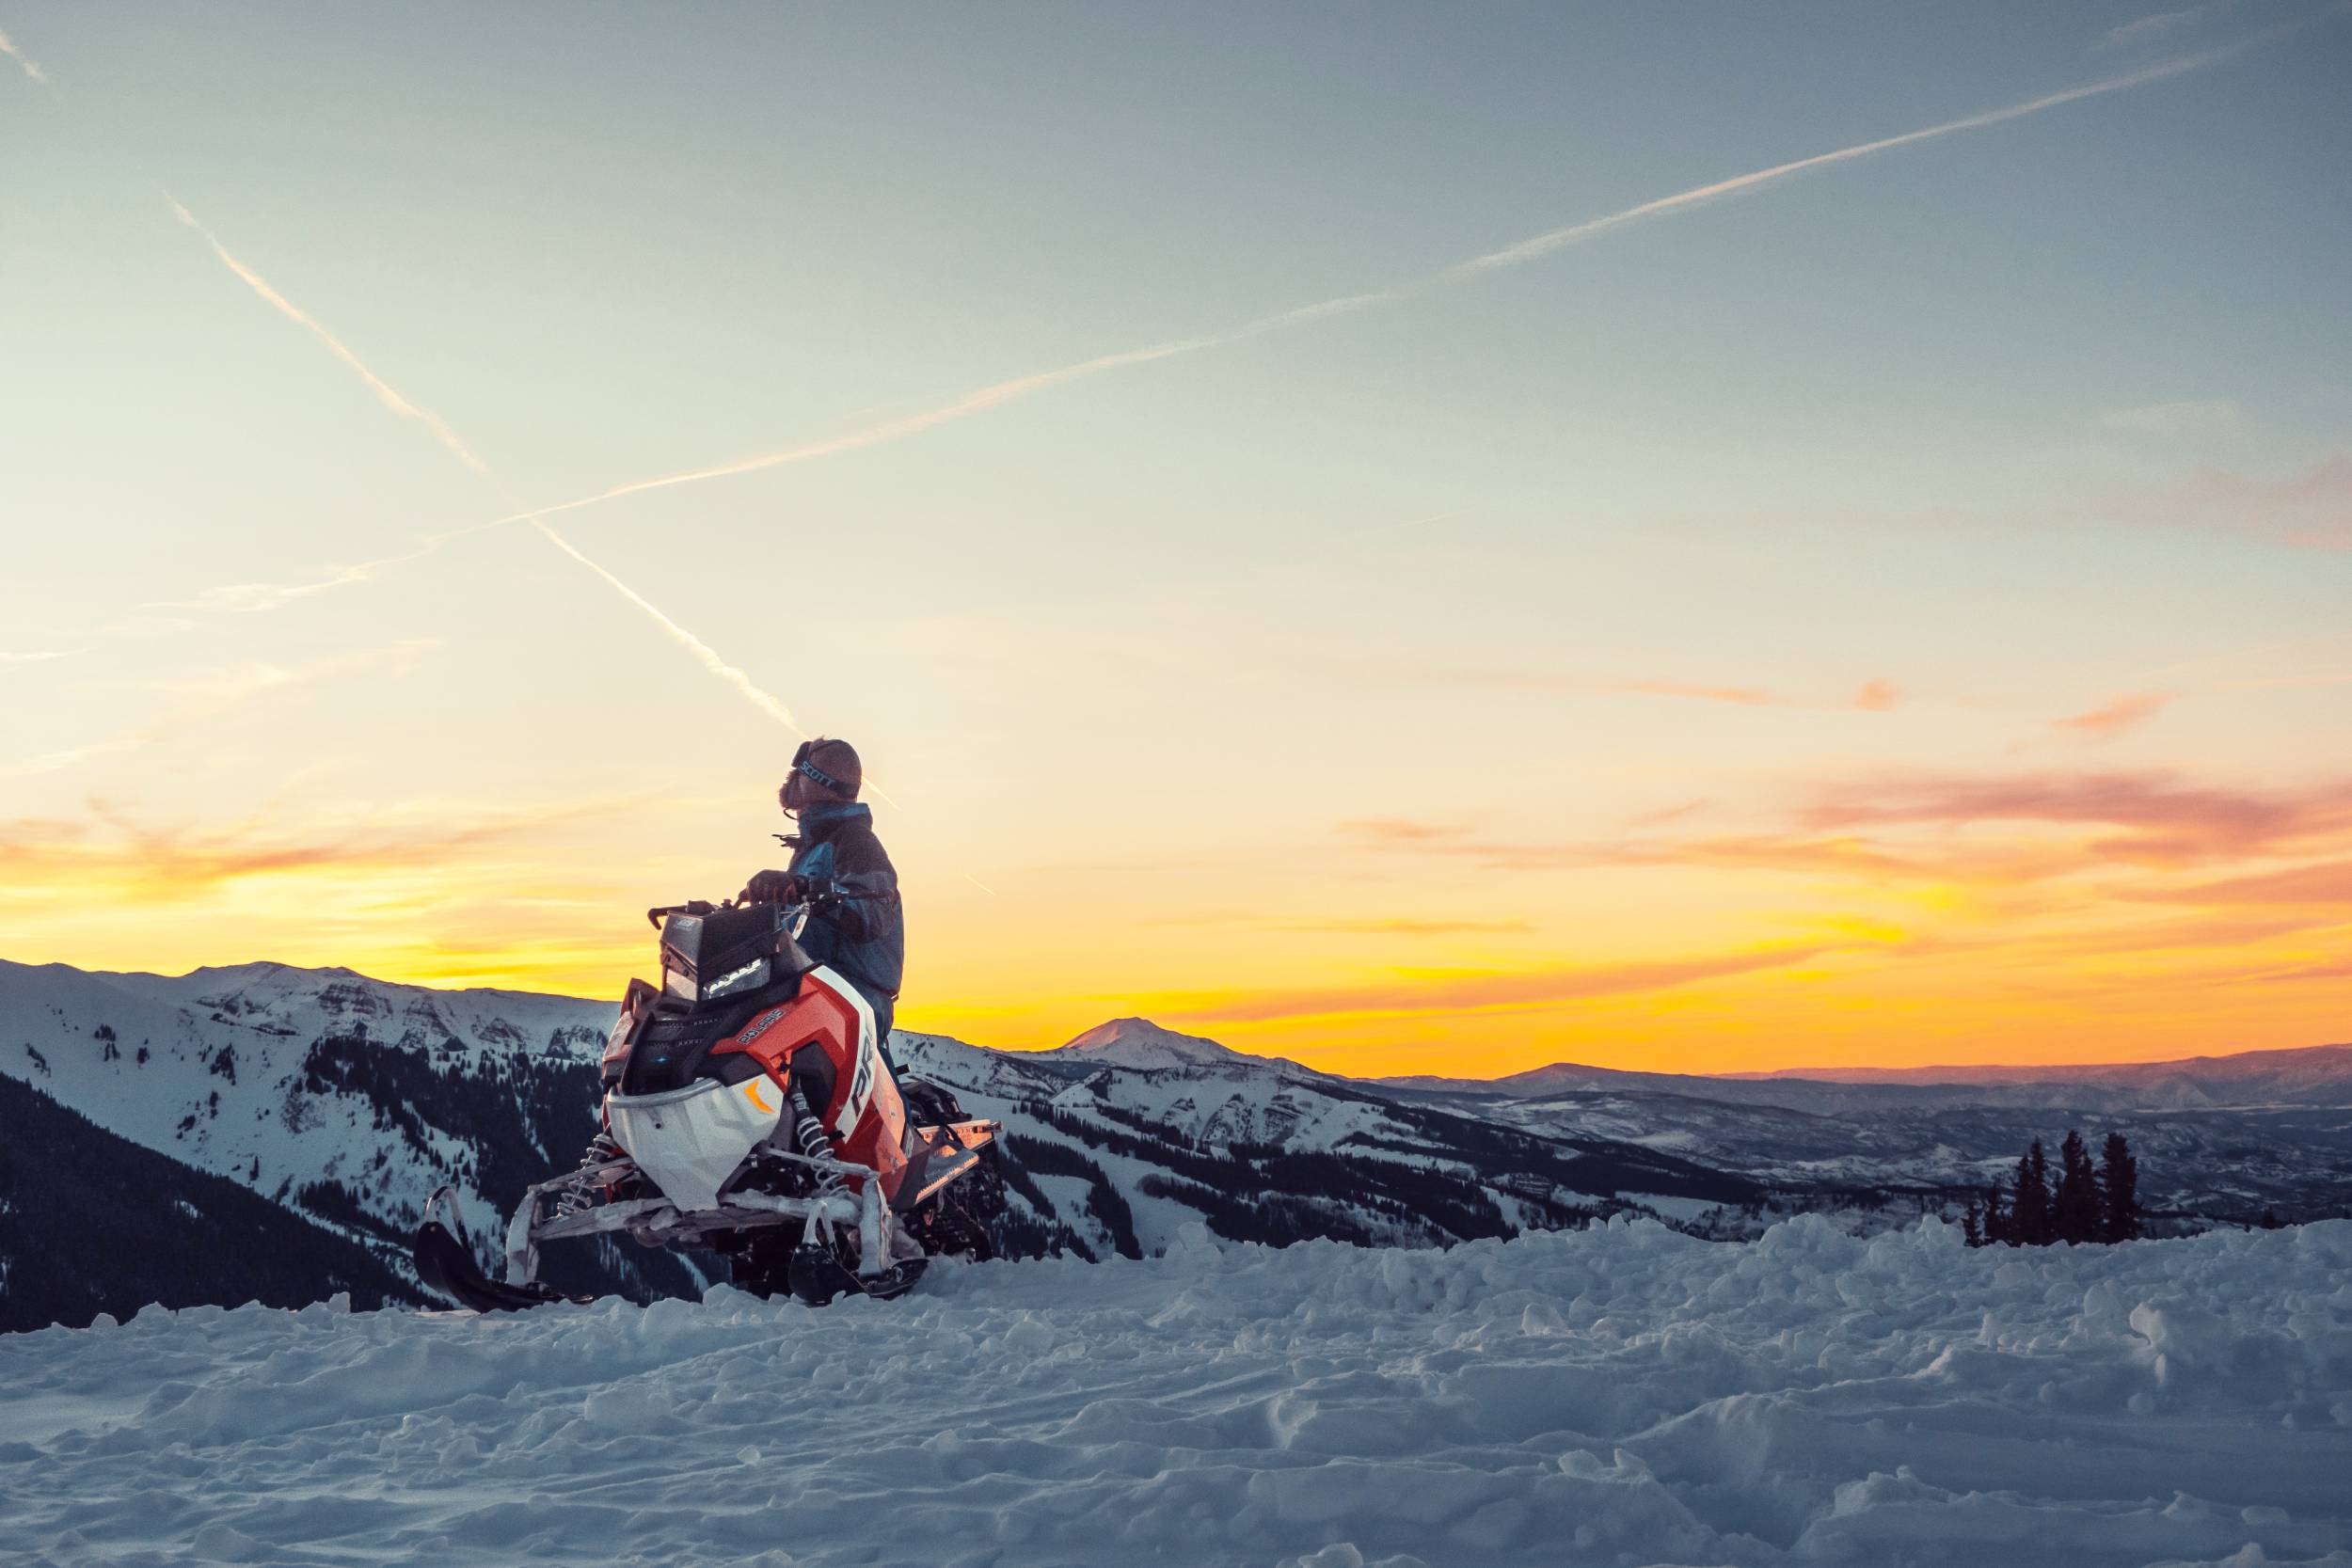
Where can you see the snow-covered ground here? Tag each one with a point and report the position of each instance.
(1624, 1395)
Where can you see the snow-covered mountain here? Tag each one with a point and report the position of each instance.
(345, 1101)
(2316, 1076)
(1139, 1042)
(341, 1102)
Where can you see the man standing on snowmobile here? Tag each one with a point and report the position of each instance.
(855, 923)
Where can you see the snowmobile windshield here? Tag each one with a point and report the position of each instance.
(728, 952)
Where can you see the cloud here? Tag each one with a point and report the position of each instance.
(1531, 990)
(2327, 882)
(8, 48)
(1924, 828)
(2162, 819)
(2111, 719)
(1875, 695)
(41, 656)
(2338, 968)
(2311, 506)
(202, 695)
(1398, 830)
(2178, 422)
(249, 599)
(1404, 926)
(113, 856)
(2155, 28)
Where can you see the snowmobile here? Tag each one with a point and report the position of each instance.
(748, 1109)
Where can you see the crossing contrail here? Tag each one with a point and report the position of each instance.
(767, 702)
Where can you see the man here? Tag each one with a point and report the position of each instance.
(855, 922)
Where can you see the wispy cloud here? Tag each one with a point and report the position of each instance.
(2178, 422)
(35, 655)
(1927, 827)
(116, 855)
(2113, 717)
(1875, 695)
(2164, 25)
(2160, 819)
(2327, 882)
(2311, 506)
(1354, 925)
(1400, 830)
(198, 696)
(249, 598)
(7, 47)
(1528, 991)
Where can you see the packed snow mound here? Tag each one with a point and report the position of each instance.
(1619, 1395)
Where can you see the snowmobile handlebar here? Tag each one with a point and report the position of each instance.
(654, 917)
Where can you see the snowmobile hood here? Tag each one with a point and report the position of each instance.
(691, 1140)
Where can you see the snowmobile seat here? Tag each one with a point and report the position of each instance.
(928, 1103)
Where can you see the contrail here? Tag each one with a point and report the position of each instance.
(766, 702)
(1544, 245)
(12, 52)
(383, 390)
(761, 700)
(1519, 254)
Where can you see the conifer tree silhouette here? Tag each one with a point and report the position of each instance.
(1996, 1221)
(2031, 1223)
(2076, 1215)
(2121, 1219)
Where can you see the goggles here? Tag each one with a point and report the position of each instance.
(800, 765)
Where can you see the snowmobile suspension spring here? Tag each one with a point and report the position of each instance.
(576, 1198)
(810, 1133)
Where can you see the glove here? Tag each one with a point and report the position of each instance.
(776, 887)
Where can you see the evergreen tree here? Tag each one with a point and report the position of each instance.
(1996, 1225)
(2121, 1217)
(2031, 1220)
(2076, 1209)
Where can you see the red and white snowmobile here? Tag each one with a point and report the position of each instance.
(748, 1110)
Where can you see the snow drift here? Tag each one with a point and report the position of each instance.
(1624, 1394)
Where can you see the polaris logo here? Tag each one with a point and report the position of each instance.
(760, 1025)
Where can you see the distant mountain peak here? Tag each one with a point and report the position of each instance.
(1139, 1042)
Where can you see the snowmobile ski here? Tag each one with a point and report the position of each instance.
(445, 1264)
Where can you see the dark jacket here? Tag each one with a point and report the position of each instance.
(858, 926)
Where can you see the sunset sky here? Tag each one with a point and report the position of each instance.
(1354, 531)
